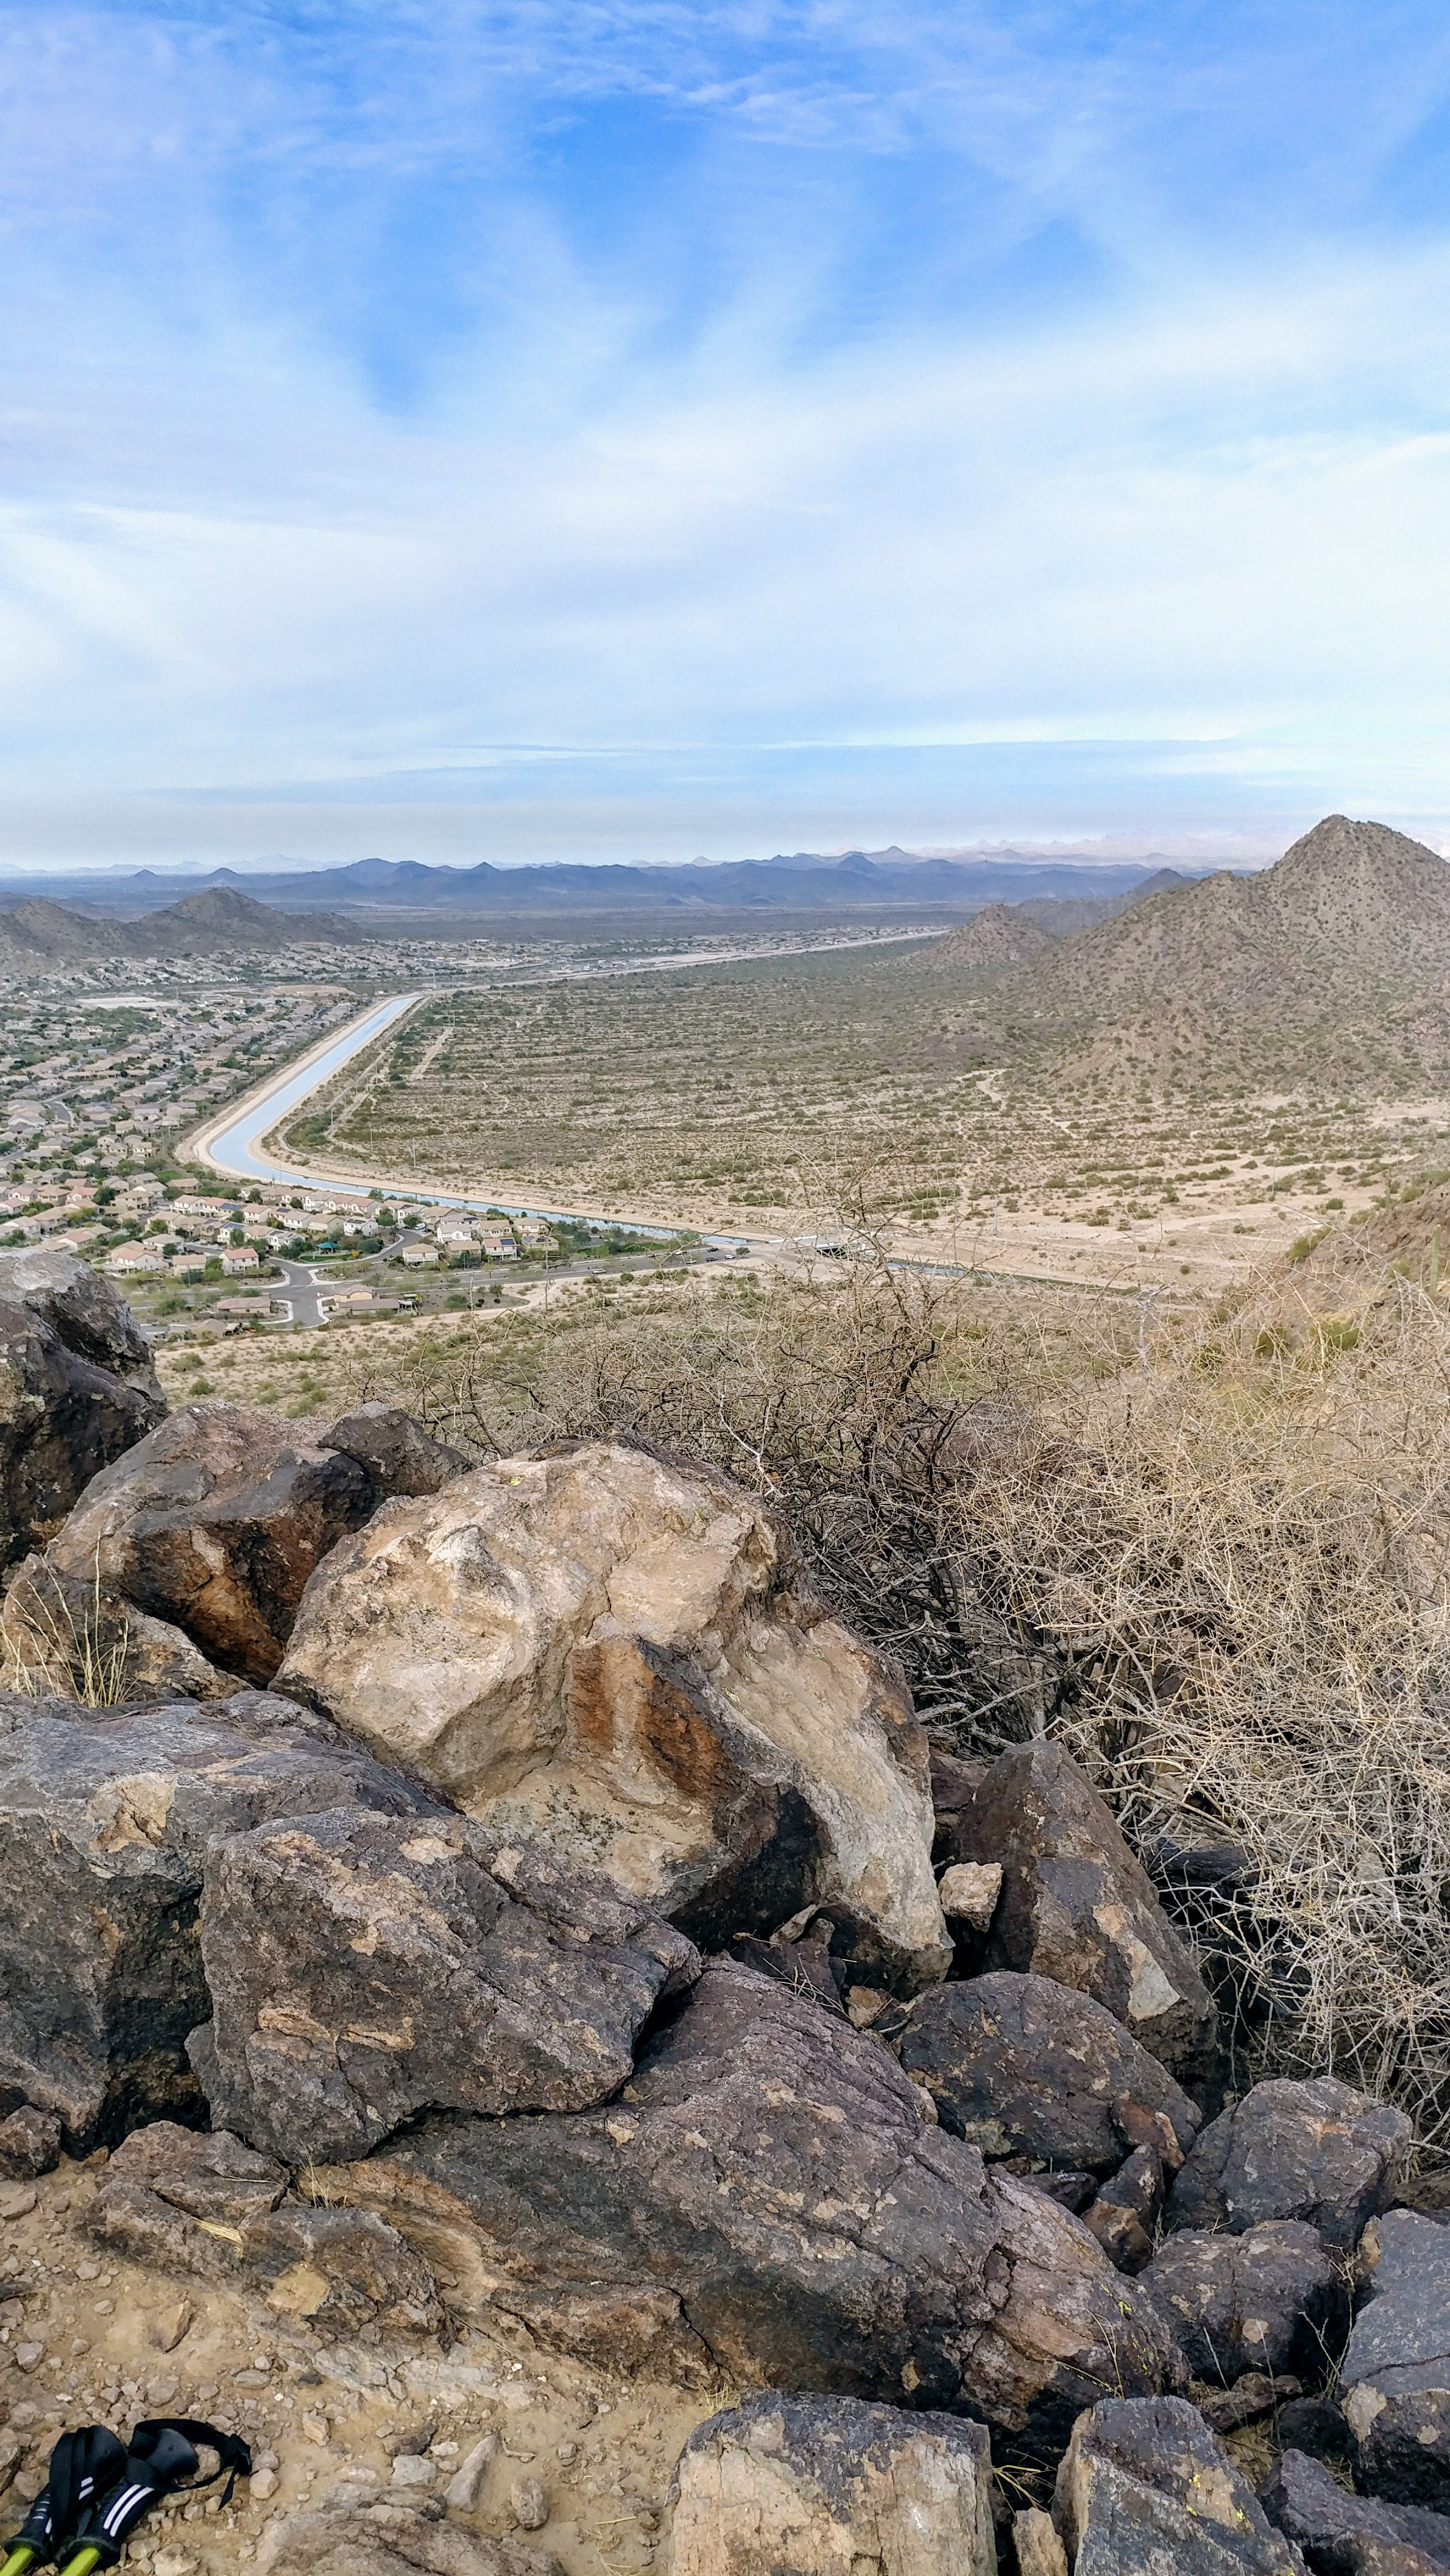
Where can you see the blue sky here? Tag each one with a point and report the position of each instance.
(620, 429)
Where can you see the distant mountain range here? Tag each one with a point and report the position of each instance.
(38, 932)
(1336, 959)
(862, 881)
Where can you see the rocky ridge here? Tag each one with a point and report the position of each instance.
(481, 1966)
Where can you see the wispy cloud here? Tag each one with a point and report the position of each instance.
(712, 393)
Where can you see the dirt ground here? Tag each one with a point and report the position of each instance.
(86, 2338)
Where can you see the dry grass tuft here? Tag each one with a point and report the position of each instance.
(52, 1647)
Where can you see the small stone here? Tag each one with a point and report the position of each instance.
(174, 2562)
(969, 1891)
(262, 2484)
(1256, 2393)
(864, 2005)
(1039, 2550)
(528, 2504)
(410, 2471)
(29, 2142)
(172, 2323)
(418, 2440)
(463, 2486)
(316, 2428)
(29, 2356)
(18, 2201)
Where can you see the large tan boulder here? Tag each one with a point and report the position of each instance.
(829, 2486)
(604, 1649)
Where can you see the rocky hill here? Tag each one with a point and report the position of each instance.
(212, 923)
(1004, 936)
(1334, 961)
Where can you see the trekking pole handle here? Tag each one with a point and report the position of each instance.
(18, 2560)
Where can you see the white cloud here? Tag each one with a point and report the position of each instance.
(351, 438)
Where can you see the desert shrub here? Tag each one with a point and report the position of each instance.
(1210, 1555)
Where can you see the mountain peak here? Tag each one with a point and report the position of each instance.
(1340, 850)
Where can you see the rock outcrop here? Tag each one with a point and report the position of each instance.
(1272, 2299)
(208, 2206)
(603, 1649)
(215, 1521)
(106, 1816)
(1317, 2151)
(1396, 2370)
(1077, 1906)
(1144, 2488)
(1019, 2065)
(363, 1968)
(827, 2486)
(769, 2169)
(77, 1389)
(1342, 2534)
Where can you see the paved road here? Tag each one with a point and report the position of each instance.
(301, 1292)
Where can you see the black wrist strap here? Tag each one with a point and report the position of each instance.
(161, 2461)
(234, 2456)
(83, 2465)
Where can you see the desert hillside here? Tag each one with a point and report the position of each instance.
(214, 922)
(1332, 964)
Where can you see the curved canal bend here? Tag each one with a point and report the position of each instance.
(233, 1143)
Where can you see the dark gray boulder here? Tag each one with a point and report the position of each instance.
(1273, 2299)
(1315, 2425)
(1332, 2526)
(769, 2168)
(77, 1389)
(106, 1816)
(1144, 2489)
(397, 1453)
(70, 1639)
(1019, 2065)
(821, 2486)
(1396, 2368)
(215, 1522)
(363, 1968)
(1077, 1906)
(83, 1310)
(209, 2207)
(1317, 2151)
